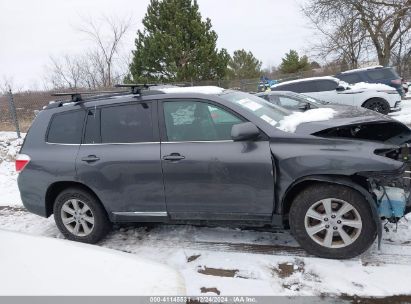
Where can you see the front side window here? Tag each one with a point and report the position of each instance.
(326, 85)
(197, 121)
(66, 128)
(130, 123)
(288, 102)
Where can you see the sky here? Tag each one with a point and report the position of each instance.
(32, 30)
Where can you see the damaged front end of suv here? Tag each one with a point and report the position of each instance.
(360, 151)
(391, 189)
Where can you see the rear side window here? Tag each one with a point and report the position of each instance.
(126, 123)
(66, 128)
(293, 87)
(353, 78)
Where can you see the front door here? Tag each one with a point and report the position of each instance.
(207, 175)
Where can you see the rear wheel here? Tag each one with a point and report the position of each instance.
(332, 221)
(378, 105)
(80, 216)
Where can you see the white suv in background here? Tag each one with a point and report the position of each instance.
(378, 97)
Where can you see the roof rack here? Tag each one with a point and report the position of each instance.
(76, 97)
(136, 88)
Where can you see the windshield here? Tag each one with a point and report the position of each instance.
(344, 84)
(313, 100)
(257, 106)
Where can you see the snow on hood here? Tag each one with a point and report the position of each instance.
(199, 89)
(371, 86)
(290, 122)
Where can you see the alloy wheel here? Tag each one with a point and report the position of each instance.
(333, 223)
(77, 217)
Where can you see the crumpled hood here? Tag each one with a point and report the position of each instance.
(346, 115)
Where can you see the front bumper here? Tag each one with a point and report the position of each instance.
(397, 107)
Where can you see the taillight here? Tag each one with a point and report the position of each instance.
(396, 81)
(22, 161)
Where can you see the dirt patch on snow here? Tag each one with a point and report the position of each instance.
(400, 299)
(15, 209)
(217, 272)
(285, 270)
(193, 258)
(212, 289)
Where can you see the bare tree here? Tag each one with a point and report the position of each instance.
(107, 43)
(102, 65)
(65, 72)
(7, 84)
(384, 21)
(345, 42)
(401, 55)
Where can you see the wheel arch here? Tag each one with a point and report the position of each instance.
(54, 189)
(375, 97)
(357, 183)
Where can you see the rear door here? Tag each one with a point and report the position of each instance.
(207, 175)
(119, 159)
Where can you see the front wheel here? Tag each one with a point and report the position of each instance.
(378, 105)
(332, 221)
(80, 216)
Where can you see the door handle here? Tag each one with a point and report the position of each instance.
(90, 158)
(173, 157)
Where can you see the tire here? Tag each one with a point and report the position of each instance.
(378, 105)
(303, 222)
(80, 216)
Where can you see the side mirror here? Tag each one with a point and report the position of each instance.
(244, 131)
(340, 88)
(304, 106)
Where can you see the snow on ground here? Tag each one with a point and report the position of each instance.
(246, 262)
(212, 261)
(290, 122)
(9, 147)
(405, 114)
(33, 265)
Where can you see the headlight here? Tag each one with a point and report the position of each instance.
(388, 91)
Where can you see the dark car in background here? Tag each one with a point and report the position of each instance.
(208, 155)
(376, 74)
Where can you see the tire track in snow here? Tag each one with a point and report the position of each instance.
(393, 256)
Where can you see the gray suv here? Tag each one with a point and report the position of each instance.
(208, 155)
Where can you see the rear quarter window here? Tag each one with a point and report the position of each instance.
(382, 74)
(66, 128)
